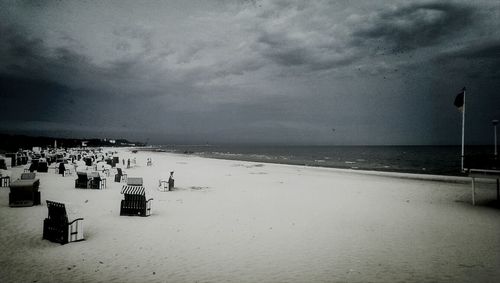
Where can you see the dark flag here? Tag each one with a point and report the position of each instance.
(459, 100)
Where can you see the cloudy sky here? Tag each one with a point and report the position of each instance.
(285, 72)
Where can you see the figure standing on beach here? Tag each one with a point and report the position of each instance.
(128, 163)
(171, 181)
(61, 168)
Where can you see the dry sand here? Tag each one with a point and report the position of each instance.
(238, 221)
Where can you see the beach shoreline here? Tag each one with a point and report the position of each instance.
(403, 175)
(428, 160)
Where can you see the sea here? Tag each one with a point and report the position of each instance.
(435, 160)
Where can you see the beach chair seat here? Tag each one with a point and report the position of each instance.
(122, 175)
(24, 160)
(57, 228)
(88, 161)
(105, 169)
(60, 168)
(82, 180)
(54, 167)
(115, 161)
(163, 185)
(3, 164)
(33, 166)
(13, 159)
(97, 182)
(4, 181)
(24, 191)
(4, 178)
(166, 185)
(23, 198)
(67, 170)
(42, 167)
(63, 169)
(134, 202)
(109, 161)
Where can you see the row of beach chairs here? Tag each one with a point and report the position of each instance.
(57, 227)
(90, 181)
(94, 180)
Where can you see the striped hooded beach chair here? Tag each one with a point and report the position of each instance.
(134, 201)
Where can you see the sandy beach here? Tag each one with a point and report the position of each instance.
(235, 221)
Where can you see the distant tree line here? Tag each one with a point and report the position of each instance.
(10, 143)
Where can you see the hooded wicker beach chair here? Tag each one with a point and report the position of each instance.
(3, 164)
(134, 202)
(115, 161)
(42, 167)
(96, 181)
(82, 180)
(57, 227)
(24, 191)
(61, 169)
(4, 178)
(34, 165)
(120, 175)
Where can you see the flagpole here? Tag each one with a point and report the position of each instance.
(495, 123)
(463, 131)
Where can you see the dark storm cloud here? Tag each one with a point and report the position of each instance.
(485, 51)
(415, 25)
(289, 52)
(251, 71)
(490, 51)
(31, 99)
(28, 57)
(298, 35)
(19, 52)
(474, 61)
(12, 85)
(295, 35)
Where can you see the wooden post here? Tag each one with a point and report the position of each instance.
(498, 190)
(463, 131)
(473, 191)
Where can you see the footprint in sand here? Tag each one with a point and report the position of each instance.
(199, 188)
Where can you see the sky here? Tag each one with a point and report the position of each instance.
(252, 72)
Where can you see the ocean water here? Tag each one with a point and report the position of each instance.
(440, 160)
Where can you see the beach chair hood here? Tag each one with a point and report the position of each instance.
(133, 190)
